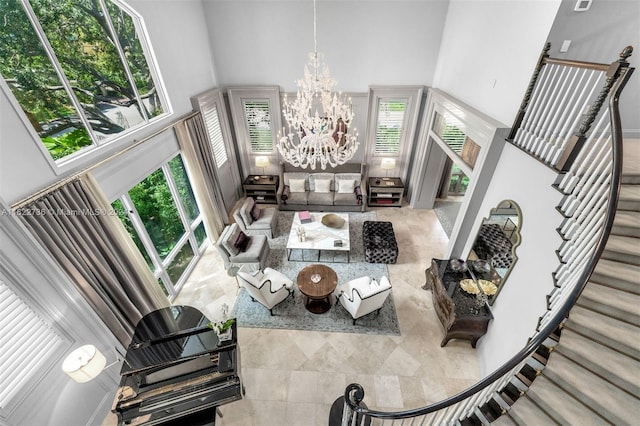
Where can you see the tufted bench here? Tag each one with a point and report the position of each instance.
(380, 244)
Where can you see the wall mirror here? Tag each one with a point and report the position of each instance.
(493, 253)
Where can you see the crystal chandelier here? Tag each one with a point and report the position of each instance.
(319, 136)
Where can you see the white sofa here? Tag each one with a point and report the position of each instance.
(335, 189)
(361, 296)
(268, 287)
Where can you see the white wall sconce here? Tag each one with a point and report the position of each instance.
(86, 363)
(387, 164)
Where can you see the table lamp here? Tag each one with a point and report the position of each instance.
(388, 164)
(86, 363)
(262, 162)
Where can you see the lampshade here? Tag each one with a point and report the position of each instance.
(388, 163)
(262, 162)
(84, 363)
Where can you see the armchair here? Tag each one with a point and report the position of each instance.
(362, 296)
(254, 220)
(269, 287)
(253, 253)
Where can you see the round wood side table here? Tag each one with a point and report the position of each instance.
(319, 293)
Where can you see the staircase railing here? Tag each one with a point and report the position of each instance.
(590, 163)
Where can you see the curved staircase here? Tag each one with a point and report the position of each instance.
(592, 375)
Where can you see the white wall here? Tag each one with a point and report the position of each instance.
(521, 301)
(366, 42)
(599, 35)
(489, 50)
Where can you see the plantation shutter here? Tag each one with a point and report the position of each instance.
(258, 119)
(390, 126)
(210, 115)
(27, 341)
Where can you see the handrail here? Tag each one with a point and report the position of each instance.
(354, 393)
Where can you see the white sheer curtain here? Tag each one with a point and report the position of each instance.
(197, 151)
(74, 223)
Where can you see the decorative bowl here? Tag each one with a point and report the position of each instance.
(481, 266)
(488, 287)
(458, 265)
(315, 278)
(332, 220)
(469, 286)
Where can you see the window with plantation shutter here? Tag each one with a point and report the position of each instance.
(258, 120)
(390, 126)
(210, 115)
(28, 342)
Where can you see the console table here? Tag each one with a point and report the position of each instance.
(263, 189)
(460, 313)
(385, 192)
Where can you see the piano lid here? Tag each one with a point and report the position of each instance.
(168, 336)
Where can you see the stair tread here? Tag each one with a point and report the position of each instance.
(526, 412)
(560, 405)
(593, 391)
(504, 420)
(601, 360)
(622, 244)
(630, 192)
(627, 218)
(610, 331)
(608, 272)
(627, 303)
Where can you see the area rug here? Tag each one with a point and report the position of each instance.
(291, 314)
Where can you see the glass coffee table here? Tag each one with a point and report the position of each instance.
(319, 237)
(317, 283)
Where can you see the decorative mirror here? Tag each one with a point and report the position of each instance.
(494, 251)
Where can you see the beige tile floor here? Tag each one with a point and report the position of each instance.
(292, 377)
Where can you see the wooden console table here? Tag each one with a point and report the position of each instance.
(459, 312)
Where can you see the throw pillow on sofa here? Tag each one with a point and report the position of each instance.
(296, 185)
(346, 186)
(323, 185)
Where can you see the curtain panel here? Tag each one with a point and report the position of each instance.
(198, 153)
(77, 226)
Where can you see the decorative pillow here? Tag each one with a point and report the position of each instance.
(242, 241)
(229, 242)
(323, 185)
(296, 185)
(346, 186)
(256, 211)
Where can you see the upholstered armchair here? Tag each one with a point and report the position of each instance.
(268, 287)
(238, 249)
(255, 220)
(362, 296)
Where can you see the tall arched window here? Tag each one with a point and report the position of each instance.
(81, 71)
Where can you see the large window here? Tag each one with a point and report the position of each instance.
(258, 120)
(164, 221)
(80, 70)
(390, 126)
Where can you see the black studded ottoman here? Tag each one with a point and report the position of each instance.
(380, 244)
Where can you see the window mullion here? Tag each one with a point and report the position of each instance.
(139, 227)
(176, 197)
(56, 65)
(123, 59)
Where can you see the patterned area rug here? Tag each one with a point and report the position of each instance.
(291, 314)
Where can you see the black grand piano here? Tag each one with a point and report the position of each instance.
(177, 371)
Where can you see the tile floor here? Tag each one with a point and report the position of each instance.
(293, 377)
